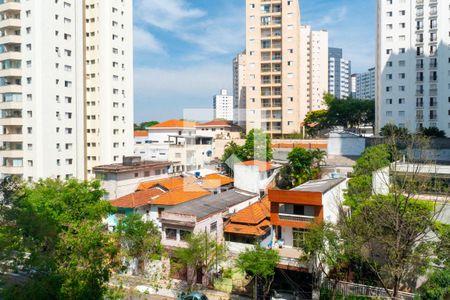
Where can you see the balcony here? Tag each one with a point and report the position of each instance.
(11, 39)
(12, 72)
(10, 105)
(296, 218)
(9, 6)
(10, 23)
(12, 55)
(11, 137)
(11, 171)
(10, 88)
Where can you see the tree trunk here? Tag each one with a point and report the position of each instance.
(334, 290)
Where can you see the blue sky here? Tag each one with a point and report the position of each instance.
(184, 48)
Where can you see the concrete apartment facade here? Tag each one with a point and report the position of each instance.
(239, 89)
(223, 106)
(364, 85)
(339, 73)
(273, 66)
(313, 69)
(46, 107)
(413, 64)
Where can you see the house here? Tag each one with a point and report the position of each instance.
(219, 129)
(141, 137)
(249, 227)
(122, 179)
(255, 176)
(153, 197)
(206, 214)
(160, 133)
(293, 211)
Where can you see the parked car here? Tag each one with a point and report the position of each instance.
(282, 295)
(192, 296)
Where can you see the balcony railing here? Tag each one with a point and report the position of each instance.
(296, 218)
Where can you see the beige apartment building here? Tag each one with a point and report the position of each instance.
(313, 69)
(286, 67)
(273, 66)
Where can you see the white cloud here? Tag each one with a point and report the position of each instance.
(333, 16)
(166, 14)
(146, 42)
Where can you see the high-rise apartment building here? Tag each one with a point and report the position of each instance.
(239, 89)
(223, 106)
(363, 85)
(313, 69)
(65, 86)
(413, 64)
(339, 73)
(273, 66)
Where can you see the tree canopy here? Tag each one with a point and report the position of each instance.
(259, 263)
(145, 125)
(56, 239)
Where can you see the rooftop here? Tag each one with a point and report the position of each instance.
(254, 214)
(216, 123)
(174, 124)
(179, 196)
(210, 181)
(262, 165)
(321, 185)
(212, 204)
(125, 167)
(137, 199)
(256, 230)
(141, 133)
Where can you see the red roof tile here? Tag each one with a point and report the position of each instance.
(253, 214)
(141, 133)
(174, 124)
(263, 165)
(137, 199)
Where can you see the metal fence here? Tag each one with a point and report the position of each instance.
(355, 289)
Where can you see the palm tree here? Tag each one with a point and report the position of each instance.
(318, 157)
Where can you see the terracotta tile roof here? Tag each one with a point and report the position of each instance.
(213, 123)
(263, 165)
(137, 199)
(181, 195)
(212, 181)
(141, 133)
(253, 214)
(174, 124)
(256, 230)
(167, 183)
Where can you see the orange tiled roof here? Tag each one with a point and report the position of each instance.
(214, 181)
(263, 165)
(215, 123)
(253, 214)
(140, 133)
(137, 199)
(256, 230)
(175, 124)
(181, 195)
(167, 183)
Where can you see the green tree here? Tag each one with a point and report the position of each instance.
(258, 146)
(202, 252)
(360, 184)
(145, 125)
(138, 240)
(259, 263)
(59, 241)
(300, 168)
(324, 247)
(349, 113)
(432, 132)
(393, 131)
(232, 155)
(315, 121)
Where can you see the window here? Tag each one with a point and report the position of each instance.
(298, 235)
(213, 227)
(184, 234)
(171, 234)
